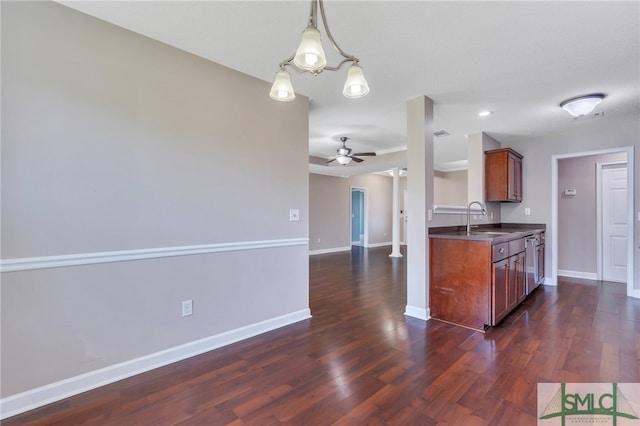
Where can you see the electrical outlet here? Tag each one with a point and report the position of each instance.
(318, 240)
(527, 211)
(187, 308)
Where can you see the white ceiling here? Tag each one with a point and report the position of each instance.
(519, 59)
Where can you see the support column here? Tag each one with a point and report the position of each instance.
(395, 217)
(420, 202)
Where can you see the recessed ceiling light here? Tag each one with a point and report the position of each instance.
(485, 113)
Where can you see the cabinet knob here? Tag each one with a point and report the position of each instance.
(501, 250)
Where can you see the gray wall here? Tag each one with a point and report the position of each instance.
(112, 142)
(589, 135)
(328, 212)
(450, 188)
(329, 209)
(577, 215)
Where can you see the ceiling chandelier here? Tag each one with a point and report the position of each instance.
(582, 105)
(310, 58)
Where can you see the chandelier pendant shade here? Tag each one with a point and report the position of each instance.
(310, 57)
(310, 54)
(282, 89)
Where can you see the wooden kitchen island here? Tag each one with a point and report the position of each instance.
(476, 280)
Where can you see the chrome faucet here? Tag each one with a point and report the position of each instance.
(469, 214)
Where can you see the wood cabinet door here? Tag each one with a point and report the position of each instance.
(512, 283)
(499, 296)
(514, 178)
(518, 179)
(503, 175)
(519, 272)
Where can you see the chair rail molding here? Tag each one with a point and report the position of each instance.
(45, 262)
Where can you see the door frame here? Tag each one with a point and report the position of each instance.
(553, 233)
(365, 216)
(599, 199)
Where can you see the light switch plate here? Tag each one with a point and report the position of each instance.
(527, 211)
(187, 308)
(294, 215)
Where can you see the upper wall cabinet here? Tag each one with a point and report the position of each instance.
(503, 175)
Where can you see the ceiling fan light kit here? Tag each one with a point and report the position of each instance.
(582, 105)
(345, 157)
(310, 57)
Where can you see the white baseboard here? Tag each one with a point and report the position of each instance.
(636, 293)
(329, 250)
(548, 281)
(577, 274)
(415, 312)
(34, 398)
(379, 244)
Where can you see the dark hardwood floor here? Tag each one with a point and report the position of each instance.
(359, 360)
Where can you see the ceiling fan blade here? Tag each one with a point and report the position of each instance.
(357, 160)
(329, 161)
(366, 154)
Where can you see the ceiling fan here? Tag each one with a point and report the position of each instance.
(344, 156)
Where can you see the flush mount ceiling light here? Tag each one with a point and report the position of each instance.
(582, 105)
(485, 113)
(310, 58)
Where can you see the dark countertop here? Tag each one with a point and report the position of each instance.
(494, 233)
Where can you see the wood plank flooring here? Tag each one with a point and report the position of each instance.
(359, 360)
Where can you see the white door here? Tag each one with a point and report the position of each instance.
(614, 223)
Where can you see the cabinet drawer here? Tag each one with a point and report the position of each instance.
(500, 251)
(516, 246)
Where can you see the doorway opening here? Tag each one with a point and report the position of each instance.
(622, 242)
(358, 224)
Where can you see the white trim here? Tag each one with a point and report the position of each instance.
(416, 312)
(30, 263)
(636, 293)
(553, 233)
(578, 274)
(34, 398)
(379, 244)
(548, 281)
(455, 210)
(391, 150)
(329, 250)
